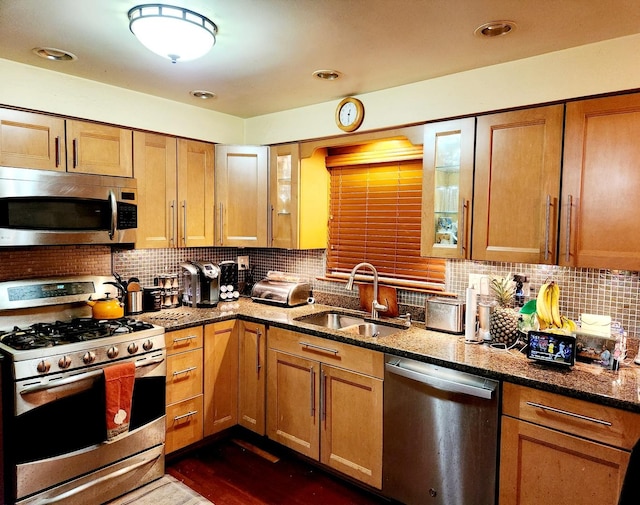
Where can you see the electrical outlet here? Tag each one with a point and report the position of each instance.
(243, 262)
(481, 283)
(474, 280)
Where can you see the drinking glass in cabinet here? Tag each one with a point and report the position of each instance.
(446, 196)
(284, 184)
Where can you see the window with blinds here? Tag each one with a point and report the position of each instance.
(375, 213)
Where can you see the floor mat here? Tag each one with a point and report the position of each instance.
(165, 491)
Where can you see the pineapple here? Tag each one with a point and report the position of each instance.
(504, 318)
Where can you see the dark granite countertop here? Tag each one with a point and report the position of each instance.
(619, 389)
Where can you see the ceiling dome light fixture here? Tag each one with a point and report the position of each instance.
(495, 29)
(172, 32)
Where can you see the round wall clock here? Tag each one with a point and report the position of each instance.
(349, 114)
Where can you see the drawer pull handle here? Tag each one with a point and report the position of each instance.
(186, 370)
(183, 339)
(567, 413)
(313, 392)
(191, 413)
(258, 365)
(325, 349)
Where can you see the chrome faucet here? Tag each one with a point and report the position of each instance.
(375, 306)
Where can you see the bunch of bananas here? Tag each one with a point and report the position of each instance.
(548, 310)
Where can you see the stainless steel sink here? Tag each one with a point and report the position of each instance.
(372, 329)
(331, 320)
(350, 323)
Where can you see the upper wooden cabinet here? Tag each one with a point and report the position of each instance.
(175, 191)
(298, 199)
(447, 189)
(155, 162)
(99, 149)
(195, 193)
(29, 140)
(601, 181)
(241, 196)
(517, 185)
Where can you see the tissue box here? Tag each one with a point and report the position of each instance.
(595, 324)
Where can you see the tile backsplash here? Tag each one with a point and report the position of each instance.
(582, 290)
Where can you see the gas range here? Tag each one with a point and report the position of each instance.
(46, 327)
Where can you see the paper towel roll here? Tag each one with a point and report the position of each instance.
(470, 325)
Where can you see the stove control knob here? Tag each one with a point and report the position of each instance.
(148, 345)
(43, 366)
(112, 352)
(133, 348)
(89, 357)
(64, 362)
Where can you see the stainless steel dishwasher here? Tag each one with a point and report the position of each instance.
(440, 435)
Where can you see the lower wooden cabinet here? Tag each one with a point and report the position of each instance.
(184, 424)
(321, 404)
(220, 376)
(252, 379)
(184, 388)
(562, 451)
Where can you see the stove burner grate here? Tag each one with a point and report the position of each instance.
(77, 330)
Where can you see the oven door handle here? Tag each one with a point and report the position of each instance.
(80, 377)
(90, 484)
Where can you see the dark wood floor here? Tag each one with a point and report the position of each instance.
(226, 473)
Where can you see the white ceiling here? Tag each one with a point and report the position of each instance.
(267, 50)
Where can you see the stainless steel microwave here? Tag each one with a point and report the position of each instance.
(42, 207)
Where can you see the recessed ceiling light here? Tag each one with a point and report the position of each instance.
(495, 29)
(50, 53)
(203, 95)
(327, 75)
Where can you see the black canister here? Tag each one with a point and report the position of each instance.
(151, 299)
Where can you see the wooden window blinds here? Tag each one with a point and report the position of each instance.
(375, 216)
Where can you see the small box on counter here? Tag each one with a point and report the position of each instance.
(606, 351)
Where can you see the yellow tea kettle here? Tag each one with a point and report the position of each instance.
(107, 308)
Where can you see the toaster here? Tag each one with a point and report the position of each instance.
(286, 292)
(445, 314)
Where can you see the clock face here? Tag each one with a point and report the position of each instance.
(349, 114)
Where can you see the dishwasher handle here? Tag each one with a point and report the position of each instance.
(440, 383)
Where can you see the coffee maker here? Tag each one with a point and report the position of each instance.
(201, 284)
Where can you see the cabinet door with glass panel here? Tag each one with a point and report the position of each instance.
(447, 188)
(285, 162)
(298, 198)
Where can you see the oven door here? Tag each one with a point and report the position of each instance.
(58, 431)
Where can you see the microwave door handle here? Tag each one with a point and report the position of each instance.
(114, 214)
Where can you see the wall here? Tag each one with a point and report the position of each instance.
(586, 70)
(43, 90)
(591, 69)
